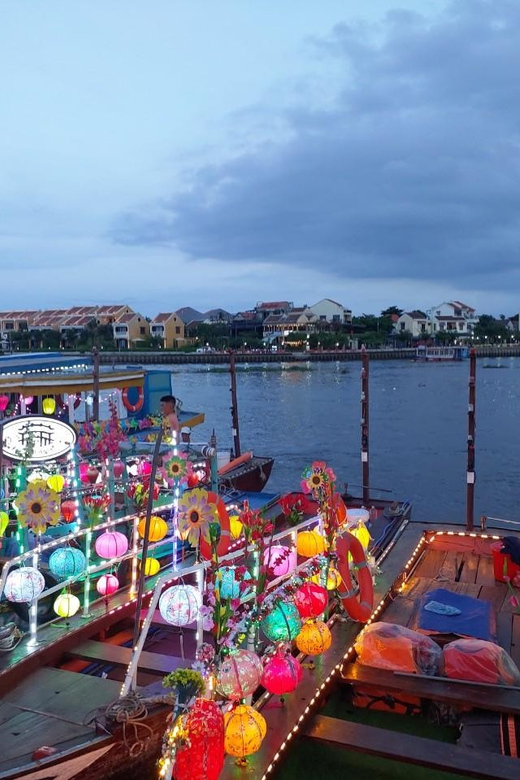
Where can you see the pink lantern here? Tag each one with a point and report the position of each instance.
(119, 469)
(239, 674)
(282, 560)
(92, 475)
(107, 584)
(28, 400)
(144, 468)
(282, 673)
(4, 401)
(111, 544)
(83, 468)
(311, 600)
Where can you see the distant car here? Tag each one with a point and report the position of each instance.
(205, 349)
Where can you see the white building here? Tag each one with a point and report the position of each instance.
(414, 322)
(453, 317)
(331, 311)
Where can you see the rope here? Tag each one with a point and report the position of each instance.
(130, 711)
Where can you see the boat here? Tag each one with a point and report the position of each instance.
(440, 354)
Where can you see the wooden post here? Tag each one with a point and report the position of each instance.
(95, 383)
(234, 405)
(365, 426)
(470, 475)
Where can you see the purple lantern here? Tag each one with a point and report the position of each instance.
(111, 544)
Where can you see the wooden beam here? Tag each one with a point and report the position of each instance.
(103, 653)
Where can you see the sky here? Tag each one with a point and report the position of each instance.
(170, 153)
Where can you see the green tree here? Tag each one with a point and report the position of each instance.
(391, 310)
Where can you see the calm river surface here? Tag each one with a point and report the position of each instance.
(418, 418)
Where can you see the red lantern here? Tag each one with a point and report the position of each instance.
(107, 584)
(92, 474)
(83, 469)
(202, 755)
(119, 469)
(68, 511)
(193, 480)
(311, 600)
(282, 673)
(4, 401)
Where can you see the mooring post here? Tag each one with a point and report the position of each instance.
(234, 405)
(470, 475)
(365, 360)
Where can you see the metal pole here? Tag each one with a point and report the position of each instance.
(470, 476)
(95, 383)
(365, 425)
(214, 463)
(234, 405)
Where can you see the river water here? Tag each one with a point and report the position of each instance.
(418, 427)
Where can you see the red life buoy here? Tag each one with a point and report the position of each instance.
(138, 404)
(358, 609)
(225, 534)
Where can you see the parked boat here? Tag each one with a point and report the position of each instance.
(441, 354)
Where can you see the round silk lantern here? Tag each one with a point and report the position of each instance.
(311, 600)
(151, 567)
(201, 755)
(66, 605)
(361, 533)
(333, 579)
(23, 585)
(235, 527)
(144, 469)
(282, 624)
(314, 638)
(107, 584)
(49, 405)
(310, 543)
(118, 468)
(111, 544)
(92, 475)
(68, 510)
(282, 560)
(244, 731)
(282, 674)
(4, 522)
(4, 402)
(229, 586)
(157, 531)
(180, 605)
(56, 482)
(83, 469)
(67, 562)
(239, 675)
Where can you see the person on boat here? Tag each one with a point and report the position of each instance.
(185, 441)
(168, 411)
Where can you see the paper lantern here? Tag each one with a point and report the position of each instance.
(107, 584)
(119, 469)
(361, 533)
(4, 522)
(28, 400)
(24, 585)
(68, 510)
(56, 482)
(311, 600)
(83, 469)
(239, 675)
(244, 731)
(333, 578)
(314, 638)
(111, 544)
(4, 402)
(49, 405)
(235, 527)
(92, 475)
(229, 586)
(282, 673)
(201, 755)
(157, 531)
(151, 566)
(66, 605)
(310, 543)
(281, 560)
(282, 624)
(180, 605)
(144, 468)
(67, 562)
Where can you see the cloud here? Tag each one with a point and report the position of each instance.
(410, 172)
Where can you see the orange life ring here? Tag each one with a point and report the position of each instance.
(358, 609)
(225, 533)
(139, 403)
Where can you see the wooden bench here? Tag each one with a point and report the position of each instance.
(441, 756)
(499, 698)
(116, 655)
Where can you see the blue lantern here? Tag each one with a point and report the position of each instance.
(282, 624)
(229, 585)
(67, 562)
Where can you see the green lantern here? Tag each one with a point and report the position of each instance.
(283, 624)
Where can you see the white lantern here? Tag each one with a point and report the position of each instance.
(24, 585)
(180, 605)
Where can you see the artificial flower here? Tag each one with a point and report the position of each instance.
(196, 513)
(38, 506)
(177, 468)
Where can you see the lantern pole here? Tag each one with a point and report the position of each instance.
(365, 361)
(234, 405)
(149, 507)
(470, 473)
(95, 383)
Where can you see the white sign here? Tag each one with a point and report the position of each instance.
(36, 438)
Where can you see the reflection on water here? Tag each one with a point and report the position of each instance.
(418, 416)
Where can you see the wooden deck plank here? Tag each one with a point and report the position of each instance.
(470, 568)
(440, 756)
(26, 731)
(485, 573)
(431, 564)
(120, 656)
(400, 610)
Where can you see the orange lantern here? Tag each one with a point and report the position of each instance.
(157, 531)
(310, 543)
(314, 638)
(244, 731)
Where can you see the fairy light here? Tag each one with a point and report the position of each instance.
(135, 547)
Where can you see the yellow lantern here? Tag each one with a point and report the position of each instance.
(235, 526)
(244, 731)
(49, 405)
(151, 566)
(66, 605)
(4, 522)
(333, 579)
(158, 529)
(361, 533)
(314, 638)
(56, 482)
(310, 543)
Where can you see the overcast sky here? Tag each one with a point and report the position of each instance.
(166, 153)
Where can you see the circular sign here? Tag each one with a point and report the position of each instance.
(35, 438)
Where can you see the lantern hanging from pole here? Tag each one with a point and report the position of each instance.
(310, 543)
(201, 756)
(180, 605)
(239, 674)
(56, 482)
(244, 731)
(68, 510)
(281, 560)
(144, 468)
(4, 402)
(66, 605)
(311, 600)
(28, 400)
(282, 673)
(151, 566)
(83, 469)
(314, 638)
(67, 562)
(4, 522)
(49, 405)
(119, 469)
(92, 475)
(23, 585)
(235, 527)
(107, 584)
(282, 624)
(157, 530)
(111, 544)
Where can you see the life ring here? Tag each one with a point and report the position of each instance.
(138, 404)
(358, 609)
(225, 533)
(61, 402)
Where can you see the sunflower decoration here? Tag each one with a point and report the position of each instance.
(316, 478)
(38, 506)
(178, 468)
(196, 514)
